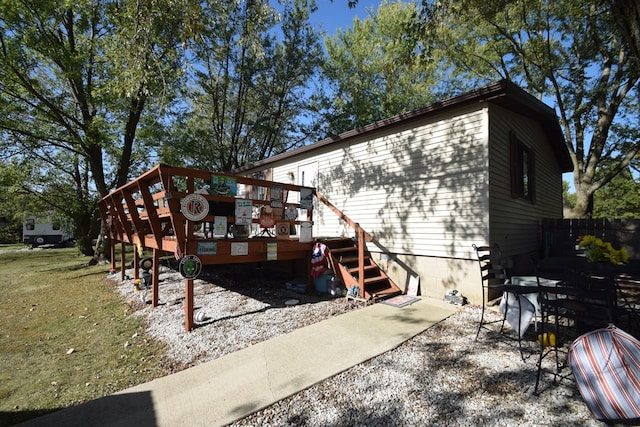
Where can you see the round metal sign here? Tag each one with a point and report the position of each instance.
(291, 213)
(190, 266)
(194, 207)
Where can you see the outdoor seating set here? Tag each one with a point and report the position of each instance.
(575, 309)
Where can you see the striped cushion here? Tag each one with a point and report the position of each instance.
(606, 366)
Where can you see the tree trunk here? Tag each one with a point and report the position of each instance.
(103, 244)
(584, 204)
(98, 252)
(85, 245)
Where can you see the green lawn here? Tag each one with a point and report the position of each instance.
(66, 335)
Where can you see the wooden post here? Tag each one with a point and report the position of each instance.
(188, 304)
(188, 285)
(155, 278)
(360, 259)
(112, 254)
(123, 260)
(136, 262)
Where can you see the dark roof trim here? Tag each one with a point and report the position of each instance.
(504, 93)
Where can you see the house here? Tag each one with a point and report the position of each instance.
(483, 167)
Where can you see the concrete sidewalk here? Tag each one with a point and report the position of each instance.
(238, 384)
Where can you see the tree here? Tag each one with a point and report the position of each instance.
(627, 16)
(620, 198)
(14, 203)
(246, 93)
(76, 79)
(568, 199)
(570, 53)
(376, 69)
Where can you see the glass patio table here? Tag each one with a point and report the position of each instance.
(522, 308)
(532, 281)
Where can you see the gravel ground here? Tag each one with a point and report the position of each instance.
(441, 377)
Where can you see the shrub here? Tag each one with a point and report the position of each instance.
(598, 250)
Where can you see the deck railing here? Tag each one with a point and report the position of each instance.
(160, 210)
(361, 234)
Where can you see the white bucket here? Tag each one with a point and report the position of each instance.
(305, 232)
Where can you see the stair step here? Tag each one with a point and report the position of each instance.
(374, 279)
(376, 286)
(350, 260)
(336, 252)
(385, 293)
(337, 242)
(367, 269)
(344, 253)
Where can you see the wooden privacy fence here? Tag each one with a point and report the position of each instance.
(560, 236)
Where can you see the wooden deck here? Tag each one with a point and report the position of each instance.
(186, 213)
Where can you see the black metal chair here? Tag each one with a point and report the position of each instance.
(628, 298)
(573, 300)
(496, 283)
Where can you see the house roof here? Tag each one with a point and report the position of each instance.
(504, 93)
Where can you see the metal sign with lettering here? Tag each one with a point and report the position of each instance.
(190, 266)
(194, 207)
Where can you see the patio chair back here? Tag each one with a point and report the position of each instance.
(572, 301)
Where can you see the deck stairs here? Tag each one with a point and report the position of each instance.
(343, 259)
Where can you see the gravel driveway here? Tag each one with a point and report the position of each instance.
(440, 377)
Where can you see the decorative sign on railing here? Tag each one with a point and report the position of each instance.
(194, 207)
(224, 185)
(205, 218)
(176, 209)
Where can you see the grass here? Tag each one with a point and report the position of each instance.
(66, 336)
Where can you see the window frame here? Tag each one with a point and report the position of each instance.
(522, 169)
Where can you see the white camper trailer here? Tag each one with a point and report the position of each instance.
(46, 228)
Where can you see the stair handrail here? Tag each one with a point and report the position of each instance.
(360, 232)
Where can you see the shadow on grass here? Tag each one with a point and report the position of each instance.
(126, 409)
(8, 418)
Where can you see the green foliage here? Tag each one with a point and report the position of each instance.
(598, 250)
(246, 91)
(377, 69)
(77, 78)
(570, 53)
(90, 97)
(618, 199)
(627, 16)
(568, 199)
(15, 203)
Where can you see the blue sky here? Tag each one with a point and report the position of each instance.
(335, 14)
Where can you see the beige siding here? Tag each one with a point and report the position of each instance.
(429, 190)
(420, 190)
(514, 223)
(437, 275)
